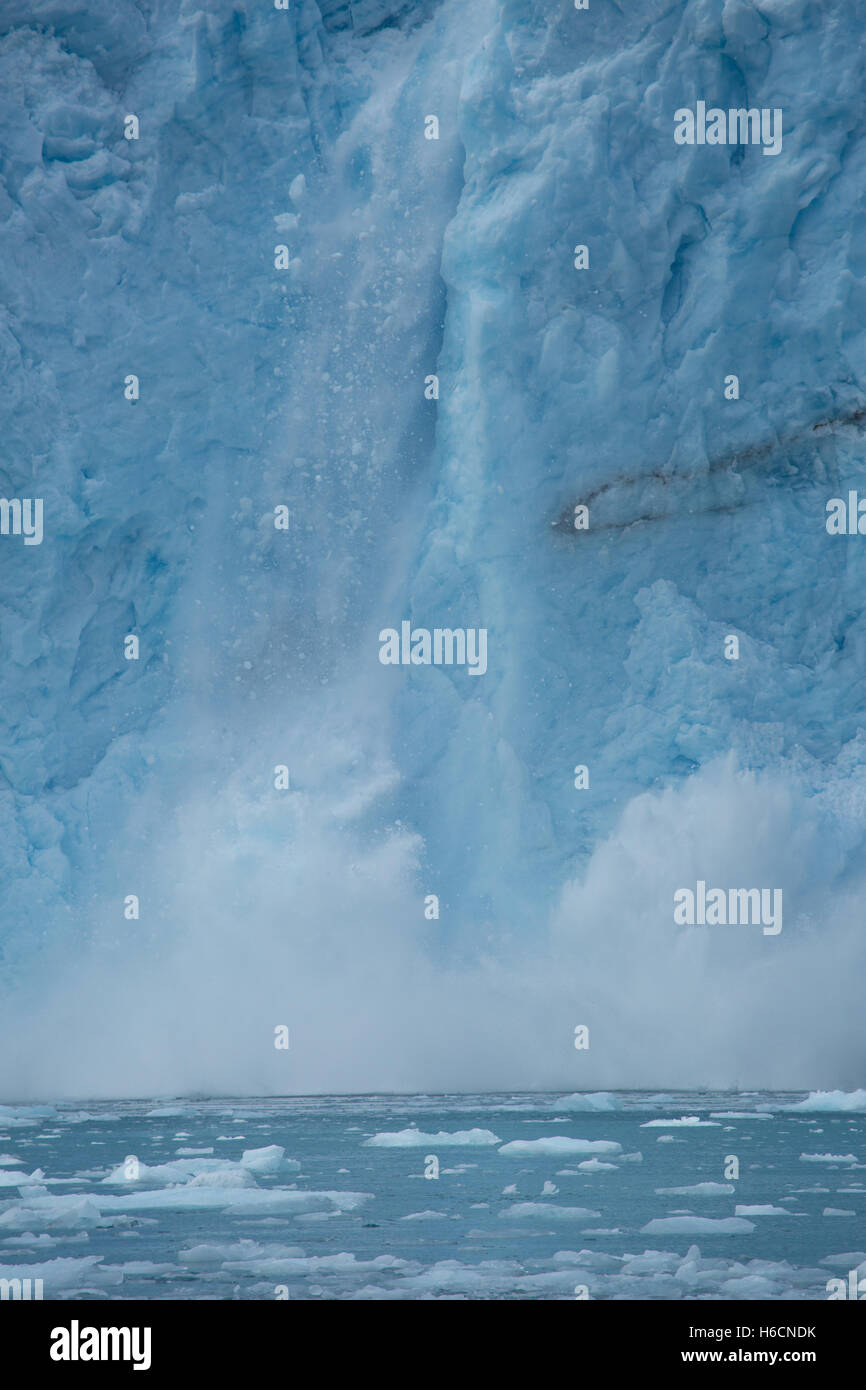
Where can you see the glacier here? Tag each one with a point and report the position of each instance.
(304, 388)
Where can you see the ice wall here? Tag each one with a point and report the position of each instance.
(304, 387)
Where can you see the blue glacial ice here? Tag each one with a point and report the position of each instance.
(304, 387)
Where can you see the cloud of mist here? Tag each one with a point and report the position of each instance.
(301, 911)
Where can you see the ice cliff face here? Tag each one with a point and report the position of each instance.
(296, 377)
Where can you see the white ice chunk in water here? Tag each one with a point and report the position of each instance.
(543, 1211)
(830, 1103)
(698, 1189)
(685, 1122)
(766, 1210)
(697, 1226)
(558, 1146)
(417, 1139)
(828, 1158)
(591, 1103)
(269, 1160)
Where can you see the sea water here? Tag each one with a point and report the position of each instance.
(526, 1196)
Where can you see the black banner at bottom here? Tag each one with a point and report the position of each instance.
(160, 1338)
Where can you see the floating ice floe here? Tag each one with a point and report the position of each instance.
(830, 1103)
(66, 1275)
(50, 1213)
(80, 1117)
(29, 1241)
(652, 1262)
(697, 1226)
(12, 1179)
(206, 1172)
(750, 1286)
(740, 1115)
(227, 1187)
(558, 1146)
(590, 1259)
(849, 1259)
(203, 1172)
(685, 1122)
(224, 1177)
(590, 1103)
(25, 1116)
(205, 1255)
(547, 1211)
(417, 1138)
(270, 1160)
(342, 1264)
(254, 1201)
(698, 1189)
(828, 1158)
(654, 1274)
(766, 1210)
